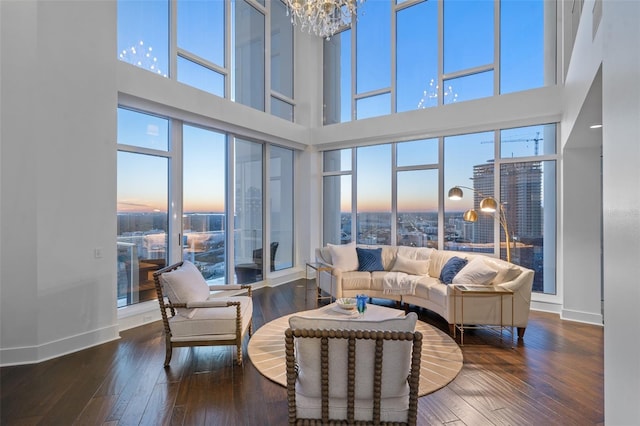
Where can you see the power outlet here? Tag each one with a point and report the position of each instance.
(97, 252)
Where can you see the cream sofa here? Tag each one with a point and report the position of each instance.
(423, 286)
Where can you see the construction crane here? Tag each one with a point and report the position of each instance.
(536, 141)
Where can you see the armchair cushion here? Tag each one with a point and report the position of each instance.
(185, 284)
(212, 323)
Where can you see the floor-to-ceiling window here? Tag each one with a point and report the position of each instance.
(281, 207)
(373, 194)
(416, 188)
(337, 205)
(441, 52)
(248, 215)
(218, 46)
(176, 185)
(468, 162)
(143, 198)
(400, 204)
(203, 200)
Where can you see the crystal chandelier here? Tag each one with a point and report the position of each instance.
(322, 17)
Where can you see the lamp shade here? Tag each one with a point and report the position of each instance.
(489, 204)
(470, 216)
(455, 193)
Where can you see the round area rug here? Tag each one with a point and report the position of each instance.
(440, 363)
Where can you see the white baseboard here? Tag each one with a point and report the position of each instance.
(567, 314)
(544, 306)
(585, 317)
(57, 348)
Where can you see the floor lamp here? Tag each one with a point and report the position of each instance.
(487, 204)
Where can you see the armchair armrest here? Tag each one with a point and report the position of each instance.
(227, 287)
(211, 304)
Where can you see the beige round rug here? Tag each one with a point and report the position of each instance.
(440, 363)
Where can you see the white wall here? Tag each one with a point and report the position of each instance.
(581, 211)
(621, 200)
(613, 56)
(58, 168)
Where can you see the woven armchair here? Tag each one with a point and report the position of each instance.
(353, 377)
(192, 316)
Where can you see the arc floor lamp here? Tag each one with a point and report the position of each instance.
(488, 204)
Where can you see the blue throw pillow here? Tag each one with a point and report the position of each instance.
(369, 259)
(451, 268)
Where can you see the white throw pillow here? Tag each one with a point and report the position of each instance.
(410, 266)
(506, 271)
(185, 284)
(475, 272)
(344, 257)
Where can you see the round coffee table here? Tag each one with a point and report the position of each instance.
(441, 359)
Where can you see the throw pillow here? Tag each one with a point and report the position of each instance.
(475, 272)
(369, 259)
(506, 271)
(184, 285)
(410, 266)
(344, 257)
(451, 268)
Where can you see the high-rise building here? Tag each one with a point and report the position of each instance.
(520, 194)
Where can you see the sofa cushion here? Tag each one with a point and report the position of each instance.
(424, 285)
(344, 257)
(477, 271)
(451, 268)
(184, 285)
(415, 253)
(356, 280)
(369, 259)
(410, 266)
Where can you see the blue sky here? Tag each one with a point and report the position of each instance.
(143, 38)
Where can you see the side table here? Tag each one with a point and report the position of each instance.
(318, 267)
(460, 292)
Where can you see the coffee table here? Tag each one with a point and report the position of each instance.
(373, 313)
(441, 356)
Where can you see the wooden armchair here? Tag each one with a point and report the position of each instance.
(364, 376)
(195, 317)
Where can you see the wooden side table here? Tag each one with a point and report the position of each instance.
(461, 292)
(318, 267)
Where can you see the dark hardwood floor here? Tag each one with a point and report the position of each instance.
(554, 377)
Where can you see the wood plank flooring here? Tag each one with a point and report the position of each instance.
(554, 377)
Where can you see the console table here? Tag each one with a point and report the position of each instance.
(318, 267)
(461, 292)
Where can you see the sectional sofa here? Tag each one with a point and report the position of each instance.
(424, 277)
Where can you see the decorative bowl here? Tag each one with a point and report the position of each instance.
(347, 303)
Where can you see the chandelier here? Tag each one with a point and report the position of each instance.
(322, 17)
